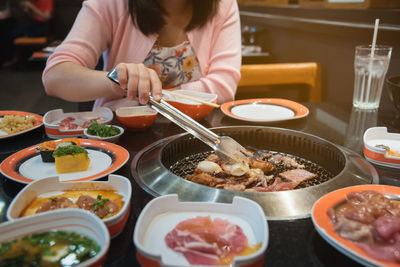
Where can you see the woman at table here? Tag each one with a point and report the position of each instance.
(154, 45)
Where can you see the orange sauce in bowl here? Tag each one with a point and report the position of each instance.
(73, 195)
(228, 259)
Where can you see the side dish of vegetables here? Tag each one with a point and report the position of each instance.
(52, 248)
(102, 130)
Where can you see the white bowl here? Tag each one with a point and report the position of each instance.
(53, 186)
(71, 220)
(52, 119)
(163, 213)
(375, 136)
(111, 139)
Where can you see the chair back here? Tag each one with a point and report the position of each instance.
(283, 73)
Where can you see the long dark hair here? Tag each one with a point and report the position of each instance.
(148, 14)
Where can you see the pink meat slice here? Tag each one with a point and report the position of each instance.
(203, 240)
(297, 176)
(387, 226)
(390, 252)
(68, 124)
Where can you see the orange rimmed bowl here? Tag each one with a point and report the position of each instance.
(193, 109)
(136, 118)
(162, 214)
(382, 147)
(53, 186)
(53, 118)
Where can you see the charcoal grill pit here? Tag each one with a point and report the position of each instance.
(161, 167)
(186, 166)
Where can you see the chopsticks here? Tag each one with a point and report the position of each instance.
(173, 93)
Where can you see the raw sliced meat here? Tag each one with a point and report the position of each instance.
(390, 252)
(387, 226)
(371, 220)
(205, 241)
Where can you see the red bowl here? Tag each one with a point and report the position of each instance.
(136, 118)
(193, 109)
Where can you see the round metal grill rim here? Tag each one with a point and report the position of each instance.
(149, 172)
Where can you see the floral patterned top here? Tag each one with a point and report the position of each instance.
(174, 65)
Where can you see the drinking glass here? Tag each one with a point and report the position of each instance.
(370, 75)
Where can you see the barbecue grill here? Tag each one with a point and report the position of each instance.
(161, 167)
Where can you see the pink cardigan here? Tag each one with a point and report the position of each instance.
(104, 26)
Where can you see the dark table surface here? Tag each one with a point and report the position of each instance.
(291, 242)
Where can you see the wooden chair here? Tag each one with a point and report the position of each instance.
(283, 73)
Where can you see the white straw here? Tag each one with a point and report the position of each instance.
(371, 58)
(374, 37)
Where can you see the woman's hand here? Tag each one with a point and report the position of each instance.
(136, 80)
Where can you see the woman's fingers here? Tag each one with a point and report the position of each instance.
(122, 71)
(133, 79)
(136, 80)
(122, 80)
(144, 84)
(156, 85)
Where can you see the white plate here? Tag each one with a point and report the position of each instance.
(34, 168)
(264, 110)
(26, 165)
(325, 228)
(37, 124)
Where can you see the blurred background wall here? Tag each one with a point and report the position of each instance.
(293, 33)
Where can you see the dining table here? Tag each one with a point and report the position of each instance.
(292, 242)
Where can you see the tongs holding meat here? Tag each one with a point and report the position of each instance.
(224, 146)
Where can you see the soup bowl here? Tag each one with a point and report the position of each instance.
(67, 220)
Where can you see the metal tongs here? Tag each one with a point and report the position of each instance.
(224, 146)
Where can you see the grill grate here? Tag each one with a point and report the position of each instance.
(187, 165)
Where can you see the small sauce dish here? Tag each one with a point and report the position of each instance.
(193, 109)
(136, 118)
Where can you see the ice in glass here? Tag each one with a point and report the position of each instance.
(370, 75)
